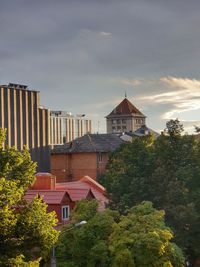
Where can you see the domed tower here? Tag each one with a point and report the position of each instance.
(125, 118)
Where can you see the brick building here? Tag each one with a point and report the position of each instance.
(87, 155)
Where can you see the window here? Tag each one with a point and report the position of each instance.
(65, 213)
(100, 157)
(113, 129)
(118, 128)
(118, 121)
(114, 121)
(123, 121)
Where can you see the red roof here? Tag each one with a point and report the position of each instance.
(88, 180)
(125, 108)
(80, 189)
(76, 191)
(49, 196)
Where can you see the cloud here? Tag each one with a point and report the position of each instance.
(105, 34)
(126, 81)
(182, 94)
(189, 126)
(92, 34)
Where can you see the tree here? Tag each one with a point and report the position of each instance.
(166, 172)
(127, 171)
(197, 129)
(138, 239)
(174, 127)
(141, 239)
(27, 231)
(88, 244)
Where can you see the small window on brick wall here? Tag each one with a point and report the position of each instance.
(100, 157)
(65, 213)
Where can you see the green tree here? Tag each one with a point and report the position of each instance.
(138, 239)
(166, 172)
(128, 168)
(27, 231)
(141, 239)
(88, 244)
(197, 129)
(174, 127)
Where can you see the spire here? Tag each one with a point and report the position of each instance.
(125, 95)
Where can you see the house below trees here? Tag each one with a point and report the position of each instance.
(62, 197)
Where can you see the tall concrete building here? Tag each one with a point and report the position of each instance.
(65, 127)
(125, 118)
(26, 122)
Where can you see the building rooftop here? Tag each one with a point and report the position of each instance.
(90, 143)
(49, 196)
(80, 189)
(125, 108)
(144, 130)
(17, 86)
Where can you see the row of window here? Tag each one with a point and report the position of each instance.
(119, 128)
(140, 121)
(123, 121)
(118, 121)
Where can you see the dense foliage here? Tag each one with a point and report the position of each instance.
(26, 230)
(165, 171)
(139, 239)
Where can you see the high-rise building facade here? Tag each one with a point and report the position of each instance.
(125, 118)
(27, 123)
(65, 127)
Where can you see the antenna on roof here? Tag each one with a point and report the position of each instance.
(125, 95)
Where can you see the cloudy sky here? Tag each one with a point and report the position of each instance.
(84, 54)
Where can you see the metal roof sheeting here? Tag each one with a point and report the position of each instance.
(49, 196)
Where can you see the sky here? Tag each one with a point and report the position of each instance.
(83, 55)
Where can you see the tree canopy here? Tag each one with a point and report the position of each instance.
(165, 171)
(139, 239)
(27, 231)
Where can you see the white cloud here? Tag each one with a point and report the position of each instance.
(182, 94)
(105, 34)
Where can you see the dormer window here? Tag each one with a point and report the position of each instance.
(65, 213)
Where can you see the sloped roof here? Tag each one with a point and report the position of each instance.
(144, 130)
(88, 180)
(49, 196)
(125, 108)
(76, 190)
(90, 143)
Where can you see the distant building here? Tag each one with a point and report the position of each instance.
(140, 132)
(26, 122)
(87, 155)
(125, 118)
(65, 127)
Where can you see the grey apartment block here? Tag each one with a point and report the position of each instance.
(26, 122)
(65, 127)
